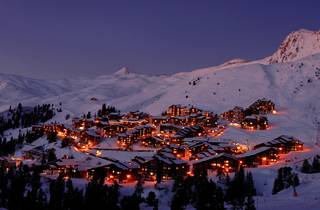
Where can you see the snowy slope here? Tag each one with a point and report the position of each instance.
(14, 89)
(290, 77)
(292, 82)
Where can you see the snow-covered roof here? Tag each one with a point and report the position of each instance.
(255, 152)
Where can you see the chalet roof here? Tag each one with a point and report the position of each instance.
(141, 160)
(195, 144)
(125, 165)
(283, 139)
(212, 157)
(255, 152)
(68, 162)
(144, 126)
(159, 117)
(170, 161)
(92, 132)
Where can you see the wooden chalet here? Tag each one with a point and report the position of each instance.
(222, 161)
(178, 150)
(284, 144)
(261, 106)
(197, 147)
(168, 128)
(136, 115)
(131, 136)
(169, 166)
(255, 122)
(186, 132)
(153, 141)
(123, 171)
(91, 137)
(113, 130)
(260, 156)
(147, 167)
(235, 115)
(82, 123)
(157, 120)
(116, 116)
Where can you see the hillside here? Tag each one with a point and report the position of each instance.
(290, 78)
(291, 82)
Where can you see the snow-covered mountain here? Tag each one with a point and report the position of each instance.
(297, 45)
(290, 77)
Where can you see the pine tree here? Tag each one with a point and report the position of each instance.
(139, 190)
(277, 186)
(178, 181)
(104, 110)
(179, 200)
(52, 137)
(306, 167)
(130, 203)
(316, 164)
(249, 204)
(152, 199)
(250, 189)
(88, 115)
(51, 155)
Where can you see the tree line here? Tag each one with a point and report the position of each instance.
(23, 117)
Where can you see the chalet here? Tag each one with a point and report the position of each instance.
(235, 115)
(169, 128)
(129, 137)
(91, 137)
(176, 110)
(153, 141)
(157, 120)
(194, 119)
(177, 120)
(261, 106)
(223, 161)
(202, 155)
(33, 152)
(197, 147)
(136, 115)
(113, 130)
(178, 151)
(210, 121)
(147, 167)
(177, 139)
(116, 116)
(82, 123)
(123, 171)
(260, 156)
(179, 110)
(284, 144)
(254, 123)
(66, 167)
(169, 166)
(84, 168)
(190, 131)
(144, 130)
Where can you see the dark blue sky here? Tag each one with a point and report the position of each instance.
(64, 38)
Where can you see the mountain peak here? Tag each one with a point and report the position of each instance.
(296, 45)
(122, 71)
(234, 61)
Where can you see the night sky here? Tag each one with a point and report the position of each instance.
(67, 38)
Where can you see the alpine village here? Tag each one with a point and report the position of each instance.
(184, 145)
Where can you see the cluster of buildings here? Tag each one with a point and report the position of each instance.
(179, 141)
(252, 118)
